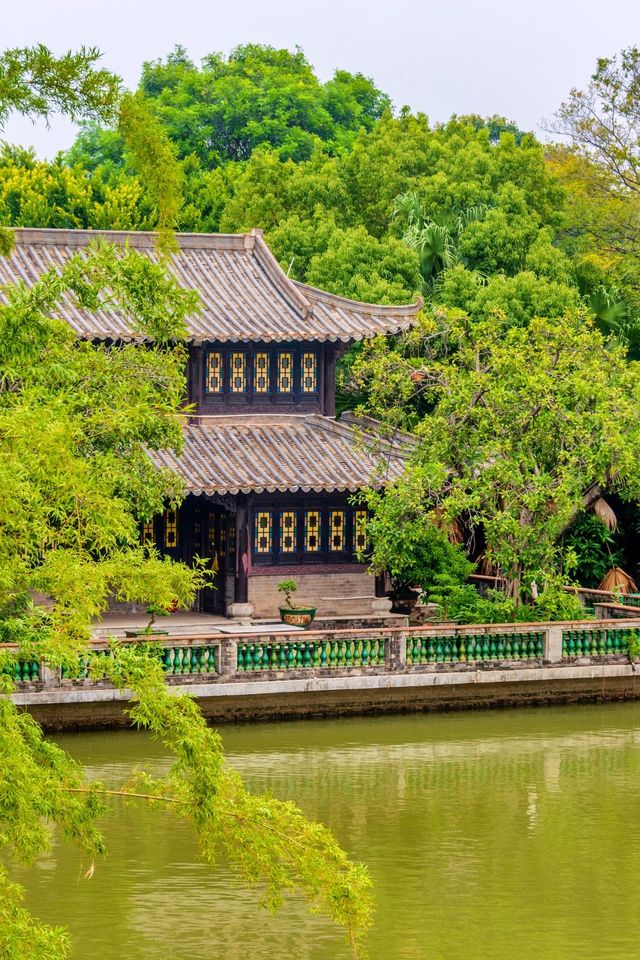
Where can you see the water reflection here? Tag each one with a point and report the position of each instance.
(489, 835)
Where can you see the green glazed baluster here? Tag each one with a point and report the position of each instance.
(409, 656)
(602, 643)
(306, 655)
(508, 647)
(356, 660)
(291, 656)
(174, 660)
(439, 650)
(348, 657)
(462, 649)
(446, 649)
(608, 645)
(365, 652)
(323, 645)
(195, 659)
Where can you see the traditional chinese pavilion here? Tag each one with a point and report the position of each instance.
(270, 472)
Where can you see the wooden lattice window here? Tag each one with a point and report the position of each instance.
(238, 372)
(263, 531)
(149, 531)
(360, 541)
(337, 521)
(170, 529)
(261, 378)
(309, 373)
(285, 372)
(214, 372)
(312, 531)
(288, 531)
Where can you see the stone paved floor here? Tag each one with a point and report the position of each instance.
(184, 623)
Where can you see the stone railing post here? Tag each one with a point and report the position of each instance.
(396, 655)
(228, 659)
(552, 644)
(47, 676)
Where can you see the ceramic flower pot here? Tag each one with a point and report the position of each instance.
(297, 616)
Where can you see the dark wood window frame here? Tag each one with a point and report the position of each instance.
(273, 396)
(320, 557)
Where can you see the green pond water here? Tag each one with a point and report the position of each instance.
(506, 834)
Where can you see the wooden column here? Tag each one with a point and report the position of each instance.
(329, 385)
(196, 377)
(380, 589)
(241, 583)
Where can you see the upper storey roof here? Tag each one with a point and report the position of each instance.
(245, 293)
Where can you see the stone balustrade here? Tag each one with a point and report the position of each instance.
(356, 651)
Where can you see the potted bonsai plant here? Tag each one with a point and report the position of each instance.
(296, 616)
(154, 610)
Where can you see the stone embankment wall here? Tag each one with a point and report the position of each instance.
(335, 672)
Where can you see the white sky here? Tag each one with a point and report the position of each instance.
(518, 58)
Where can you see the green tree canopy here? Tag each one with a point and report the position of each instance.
(77, 423)
(517, 428)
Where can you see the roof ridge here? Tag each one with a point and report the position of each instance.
(410, 309)
(271, 266)
(68, 236)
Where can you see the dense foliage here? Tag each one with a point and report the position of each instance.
(518, 430)
(77, 422)
(475, 214)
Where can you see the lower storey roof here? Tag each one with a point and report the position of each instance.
(265, 453)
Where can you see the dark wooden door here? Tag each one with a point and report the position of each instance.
(214, 530)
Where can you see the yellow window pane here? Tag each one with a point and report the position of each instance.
(288, 531)
(170, 529)
(337, 520)
(263, 531)
(261, 373)
(285, 372)
(238, 372)
(359, 530)
(214, 373)
(309, 372)
(312, 534)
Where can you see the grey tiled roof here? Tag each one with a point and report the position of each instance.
(229, 454)
(245, 293)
